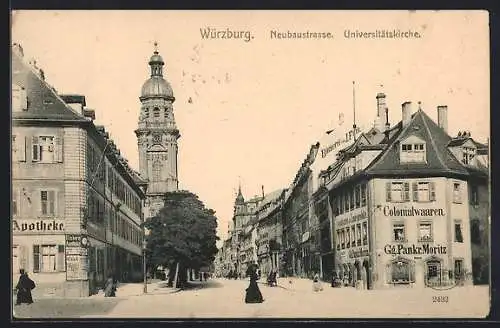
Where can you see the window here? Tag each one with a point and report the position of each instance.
(146, 112)
(157, 170)
(424, 191)
(398, 191)
(48, 202)
(457, 193)
(363, 194)
(475, 232)
(458, 232)
(48, 258)
(398, 231)
(353, 236)
(15, 202)
(351, 198)
(348, 234)
(156, 112)
(474, 195)
(413, 153)
(459, 269)
(358, 234)
(425, 231)
(468, 155)
(338, 240)
(357, 191)
(19, 148)
(46, 149)
(342, 238)
(19, 98)
(365, 233)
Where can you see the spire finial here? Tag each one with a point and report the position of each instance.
(419, 105)
(156, 47)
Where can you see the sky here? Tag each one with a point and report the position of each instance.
(248, 112)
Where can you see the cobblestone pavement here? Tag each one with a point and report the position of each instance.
(222, 298)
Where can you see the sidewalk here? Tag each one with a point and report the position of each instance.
(125, 290)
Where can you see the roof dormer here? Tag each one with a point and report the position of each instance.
(464, 148)
(413, 150)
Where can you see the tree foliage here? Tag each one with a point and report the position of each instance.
(184, 232)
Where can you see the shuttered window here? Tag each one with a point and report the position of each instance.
(48, 202)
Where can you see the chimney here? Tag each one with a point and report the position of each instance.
(443, 117)
(381, 113)
(406, 111)
(18, 49)
(262, 191)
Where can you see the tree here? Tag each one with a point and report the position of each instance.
(183, 233)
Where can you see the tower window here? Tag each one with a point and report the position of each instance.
(157, 170)
(146, 112)
(156, 112)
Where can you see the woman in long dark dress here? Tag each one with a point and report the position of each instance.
(253, 294)
(24, 287)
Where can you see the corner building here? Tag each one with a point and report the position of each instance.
(400, 200)
(76, 204)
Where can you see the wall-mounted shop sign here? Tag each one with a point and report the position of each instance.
(37, 226)
(358, 252)
(352, 218)
(76, 257)
(425, 249)
(412, 211)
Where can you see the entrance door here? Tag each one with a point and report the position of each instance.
(433, 273)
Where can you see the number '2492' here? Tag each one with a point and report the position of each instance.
(439, 299)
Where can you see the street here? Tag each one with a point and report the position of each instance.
(222, 298)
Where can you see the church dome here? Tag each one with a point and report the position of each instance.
(157, 86)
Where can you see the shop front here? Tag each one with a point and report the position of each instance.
(353, 267)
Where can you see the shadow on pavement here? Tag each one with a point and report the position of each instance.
(194, 285)
(64, 308)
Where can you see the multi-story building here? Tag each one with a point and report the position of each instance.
(399, 199)
(76, 204)
(269, 232)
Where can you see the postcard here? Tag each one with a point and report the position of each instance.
(250, 164)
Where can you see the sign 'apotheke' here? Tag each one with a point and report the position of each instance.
(37, 226)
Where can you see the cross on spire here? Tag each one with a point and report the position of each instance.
(156, 47)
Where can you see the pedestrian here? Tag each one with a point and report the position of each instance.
(317, 286)
(24, 287)
(253, 294)
(110, 286)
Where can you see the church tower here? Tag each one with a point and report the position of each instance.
(157, 136)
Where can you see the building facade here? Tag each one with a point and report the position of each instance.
(157, 136)
(400, 203)
(76, 204)
(270, 232)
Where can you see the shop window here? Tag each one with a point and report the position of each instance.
(433, 275)
(425, 231)
(457, 192)
(365, 233)
(458, 232)
(402, 272)
(413, 153)
(397, 191)
(48, 202)
(398, 232)
(475, 232)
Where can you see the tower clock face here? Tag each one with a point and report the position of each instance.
(156, 138)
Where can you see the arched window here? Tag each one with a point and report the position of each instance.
(157, 170)
(156, 112)
(146, 112)
(402, 271)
